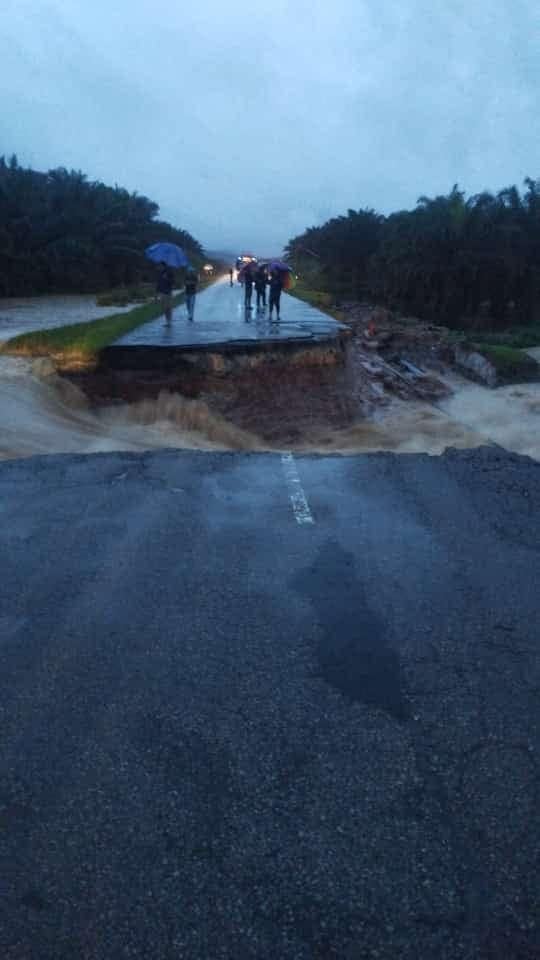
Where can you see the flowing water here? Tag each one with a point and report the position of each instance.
(42, 413)
(471, 417)
(23, 314)
(509, 416)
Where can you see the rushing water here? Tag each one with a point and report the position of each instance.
(509, 416)
(43, 413)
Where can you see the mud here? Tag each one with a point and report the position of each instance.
(373, 401)
(45, 413)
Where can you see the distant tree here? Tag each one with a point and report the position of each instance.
(448, 260)
(61, 232)
(338, 252)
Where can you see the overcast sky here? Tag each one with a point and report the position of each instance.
(248, 122)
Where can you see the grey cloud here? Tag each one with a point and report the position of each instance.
(247, 124)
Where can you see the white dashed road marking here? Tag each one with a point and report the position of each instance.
(297, 496)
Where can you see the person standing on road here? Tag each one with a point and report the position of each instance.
(190, 288)
(231, 276)
(261, 279)
(248, 286)
(164, 287)
(276, 286)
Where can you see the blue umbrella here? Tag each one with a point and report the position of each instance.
(167, 253)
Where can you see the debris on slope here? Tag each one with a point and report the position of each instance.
(399, 355)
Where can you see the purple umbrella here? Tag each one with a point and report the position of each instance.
(279, 265)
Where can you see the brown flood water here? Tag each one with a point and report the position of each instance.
(42, 413)
(23, 314)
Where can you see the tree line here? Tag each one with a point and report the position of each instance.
(452, 259)
(60, 232)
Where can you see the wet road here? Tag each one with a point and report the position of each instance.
(259, 707)
(221, 318)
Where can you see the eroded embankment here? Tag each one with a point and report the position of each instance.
(298, 395)
(43, 412)
(314, 411)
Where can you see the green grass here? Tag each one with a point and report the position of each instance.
(80, 343)
(121, 296)
(509, 362)
(316, 298)
(520, 338)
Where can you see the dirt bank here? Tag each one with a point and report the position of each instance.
(288, 400)
(395, 391)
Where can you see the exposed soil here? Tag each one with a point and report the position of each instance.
(385, 358)
(393, 336)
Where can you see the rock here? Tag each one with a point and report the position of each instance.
(472, 362)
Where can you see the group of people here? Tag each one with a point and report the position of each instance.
(252, 276)
(165, 284)
(258, 277)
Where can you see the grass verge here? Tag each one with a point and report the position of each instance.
(510, 363)
(316, 298)
(80, 343)
(122, 296)
(520, 338)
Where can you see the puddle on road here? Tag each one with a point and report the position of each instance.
(43, 413)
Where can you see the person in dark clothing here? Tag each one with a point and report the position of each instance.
(231, 273)
(276, 286)
(190, 287)
(248, 286)
(164, 286)
(261, 279)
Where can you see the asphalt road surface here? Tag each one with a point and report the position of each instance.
(263, 707)
(221, 318)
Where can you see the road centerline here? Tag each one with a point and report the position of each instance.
(300, 506)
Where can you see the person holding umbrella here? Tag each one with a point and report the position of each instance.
(261, 279)
(247, 277)
(190, 286)
(168, 256)
(277, 282)
(164, 289)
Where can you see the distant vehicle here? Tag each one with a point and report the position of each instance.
(243, 260)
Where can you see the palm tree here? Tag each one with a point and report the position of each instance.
(58, 231)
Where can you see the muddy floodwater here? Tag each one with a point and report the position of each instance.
(23, 314)
(44, 413)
